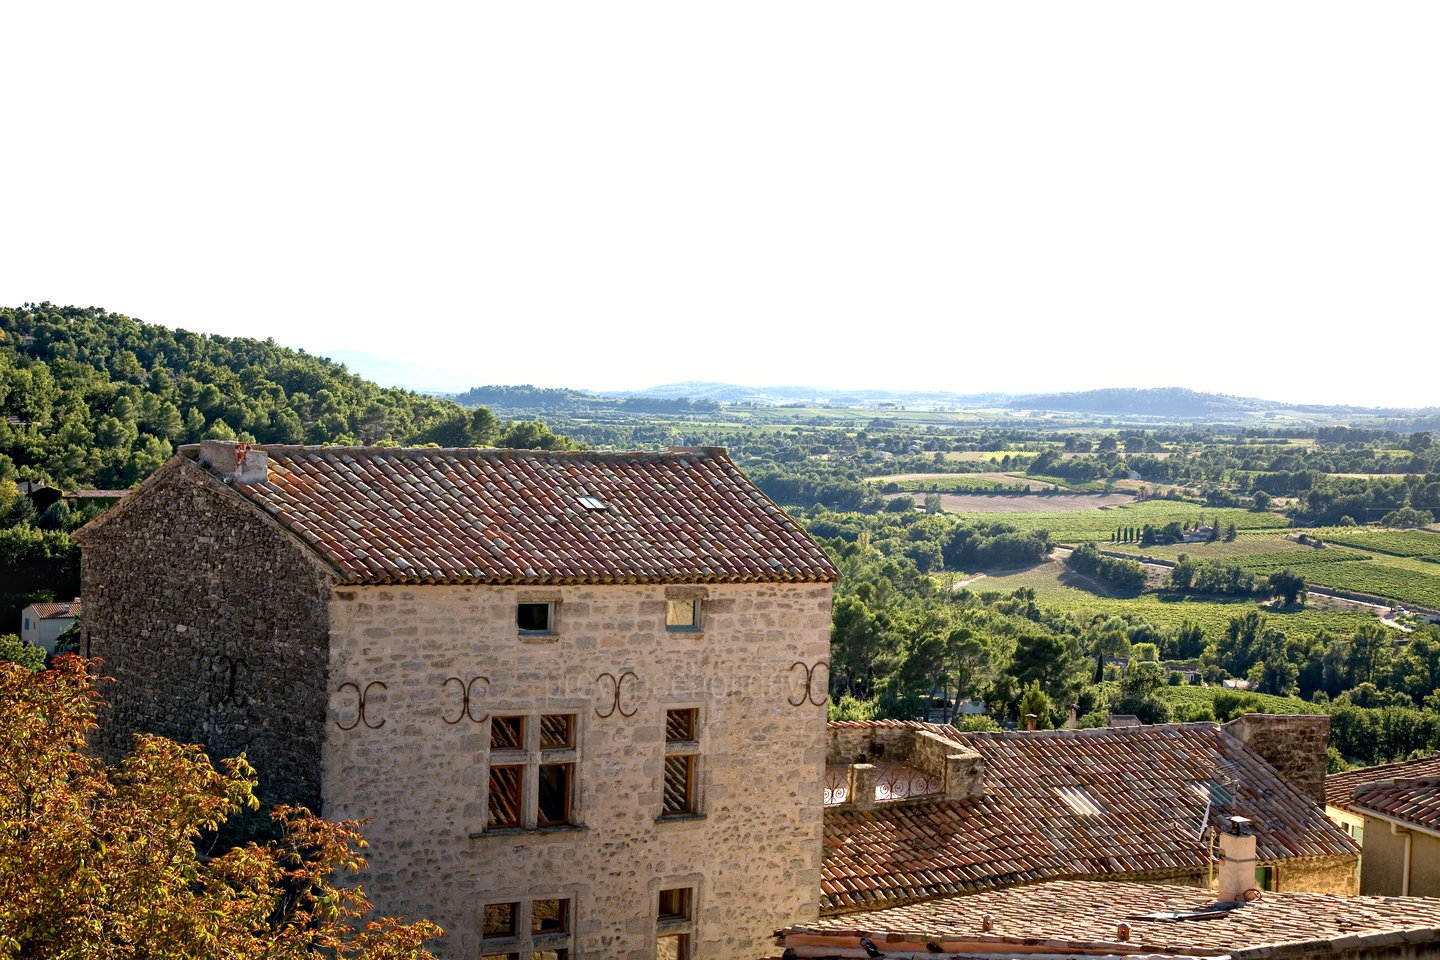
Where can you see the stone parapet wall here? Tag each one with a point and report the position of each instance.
(214, 624)
(434, 664)
(1320, 875)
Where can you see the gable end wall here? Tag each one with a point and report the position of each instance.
(214, 623)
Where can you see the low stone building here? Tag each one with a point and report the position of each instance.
(580, 696)
(920, 811)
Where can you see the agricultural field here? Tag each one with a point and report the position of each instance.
(960, 482)
(1189, 700)
(1400, 543)
(1167, 611)
(1019, 510)
(1247, 544)
(1099, 525)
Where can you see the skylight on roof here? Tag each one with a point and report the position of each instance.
(1080, 801)
(592, 503)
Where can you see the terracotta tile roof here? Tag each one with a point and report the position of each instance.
(50, 611)
(1340, 787)
(1035, 820)
(388, 515)
(1415, 802)
(1084, 917)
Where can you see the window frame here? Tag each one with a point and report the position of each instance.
(695, 604)
(532, 757)
(679, 927)
(690, 751)
(524, 940)
(552, 610)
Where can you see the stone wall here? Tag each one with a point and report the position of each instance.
(1294, 745)
(434, 664)
(1320, 875)
(213, 622)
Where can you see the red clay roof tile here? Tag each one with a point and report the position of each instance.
(392, 515)
(1150, 783)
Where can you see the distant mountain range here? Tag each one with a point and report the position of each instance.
(1160, 403)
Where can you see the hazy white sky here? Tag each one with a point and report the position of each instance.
(1238, 197)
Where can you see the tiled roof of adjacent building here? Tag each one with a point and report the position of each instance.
(1414, 802)
(1070, 804)
(50, 611)
(1067, 918)
(1340, 787)
(390, 515)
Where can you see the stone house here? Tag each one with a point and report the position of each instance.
(919, 811)
(580, 696)
(1393, 811)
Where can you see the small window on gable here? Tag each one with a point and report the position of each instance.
(535, 617)
(682, 615)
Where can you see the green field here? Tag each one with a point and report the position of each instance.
(1167, 610)
(1098, 525)
(1185, 700)
(1249, 543)
(1401, 543)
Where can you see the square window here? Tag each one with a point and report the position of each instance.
(535, 617)
(550, 916)
(507, 733)
(680, 724)
(499, 920)
(506, 796)
(682, 615)
(679, 785)
(674, 904)
(675, 946)
(557, 731)
(553, 808)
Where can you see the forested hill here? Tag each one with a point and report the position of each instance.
(96, 399)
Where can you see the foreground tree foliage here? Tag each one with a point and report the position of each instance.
(111, 862)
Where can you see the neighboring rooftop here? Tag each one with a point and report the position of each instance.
(430, 515)
(1340, 787)
(1414, 803)
(1086, 918)
(1104, 802)
(54, 611)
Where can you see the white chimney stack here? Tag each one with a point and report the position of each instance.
(1237, 860)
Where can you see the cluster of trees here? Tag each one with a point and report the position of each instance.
(98, 862)
(1209, 576)
(95, 399)
(1122, 576)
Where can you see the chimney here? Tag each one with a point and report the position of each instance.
(1074, 717)
(1030, 721)
(1237, 860)
(1295, 745)
(235, 462)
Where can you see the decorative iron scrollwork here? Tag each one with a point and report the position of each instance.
(467, 693)
(837, 785)
(361, 695)
(901, 783)
(616, 693)
(810, 675)
(233, 668)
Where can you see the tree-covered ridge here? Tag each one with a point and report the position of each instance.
(97, 399)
